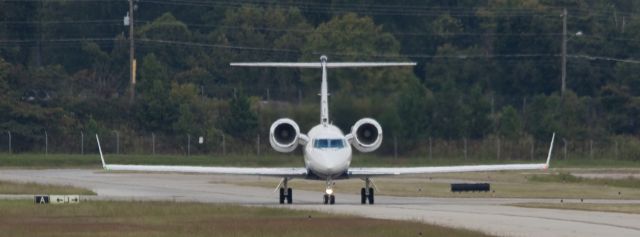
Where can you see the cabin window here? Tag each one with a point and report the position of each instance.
(328, 143)
(336, 143)
(321, 143)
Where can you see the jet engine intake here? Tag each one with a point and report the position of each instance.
(284, 134)
(367, 135)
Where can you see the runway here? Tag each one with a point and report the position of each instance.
(489, 215)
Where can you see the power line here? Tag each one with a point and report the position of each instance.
(588, 57)
(197, 44)
(398, 33)
(274, 29)
(334, 9)
(522, 34)
(381, 9)
(283, 50)
(57, 1)
(398, 10)
(424, 56)
(64, 22)
(54, 40)
(457, 56)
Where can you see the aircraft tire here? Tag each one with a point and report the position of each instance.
(289, 195)
(281, 195)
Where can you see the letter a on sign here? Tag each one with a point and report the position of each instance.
(41, 199)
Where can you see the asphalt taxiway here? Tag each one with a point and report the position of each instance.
(491, 215)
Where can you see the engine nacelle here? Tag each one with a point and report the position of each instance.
(367, 135)
(284, 134)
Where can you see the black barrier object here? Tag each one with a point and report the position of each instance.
(471, 187)
(41, 199)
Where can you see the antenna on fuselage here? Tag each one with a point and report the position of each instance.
(324, 64)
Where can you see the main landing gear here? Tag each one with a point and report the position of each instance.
(329, 198)
(286, 193)
(366, 193)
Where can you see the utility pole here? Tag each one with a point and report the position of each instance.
(40, 37)
(564, 52)
(117, 142)
(132, 60)
(81, 142)
(10, 150)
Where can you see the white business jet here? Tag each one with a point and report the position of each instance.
(327, 150)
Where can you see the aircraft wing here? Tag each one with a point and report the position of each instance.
(369, 172)
(374, 171)
(276, 172)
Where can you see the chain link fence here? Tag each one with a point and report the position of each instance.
(490, 148)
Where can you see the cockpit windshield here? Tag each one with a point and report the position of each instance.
(328, 143)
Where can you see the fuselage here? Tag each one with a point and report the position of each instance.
(327, 151)
(327, 155)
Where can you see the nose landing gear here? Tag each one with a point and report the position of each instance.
(329, 198)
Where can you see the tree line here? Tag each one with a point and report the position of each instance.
(485, 68)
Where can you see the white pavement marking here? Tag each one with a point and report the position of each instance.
(485, 214)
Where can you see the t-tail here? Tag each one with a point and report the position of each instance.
(324, 64)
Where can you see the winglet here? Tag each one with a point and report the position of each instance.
(104, 165)
(546, 166)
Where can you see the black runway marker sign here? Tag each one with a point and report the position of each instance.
(41, 199)
(56, 199)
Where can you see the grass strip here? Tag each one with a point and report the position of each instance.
(9, 187)
(109, 218)
(620, 208)
(566, 177)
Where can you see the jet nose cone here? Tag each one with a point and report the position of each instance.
(332, 167)
(335, 166)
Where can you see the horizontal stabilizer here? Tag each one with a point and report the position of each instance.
(371, 64)
(267, 64)
(329, 64)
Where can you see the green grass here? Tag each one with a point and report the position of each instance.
(93, 160)
(620, 208)
(106, 218)
(74, 160)
(7, 187)
(565, 177)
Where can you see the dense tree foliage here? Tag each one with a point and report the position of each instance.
(486, 68)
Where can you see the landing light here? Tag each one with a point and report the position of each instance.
(329, 191)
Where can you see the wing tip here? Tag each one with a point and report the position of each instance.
(553, 137)
(104, 164)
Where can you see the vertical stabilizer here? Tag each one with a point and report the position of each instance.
(324, 65)
(324, 93)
